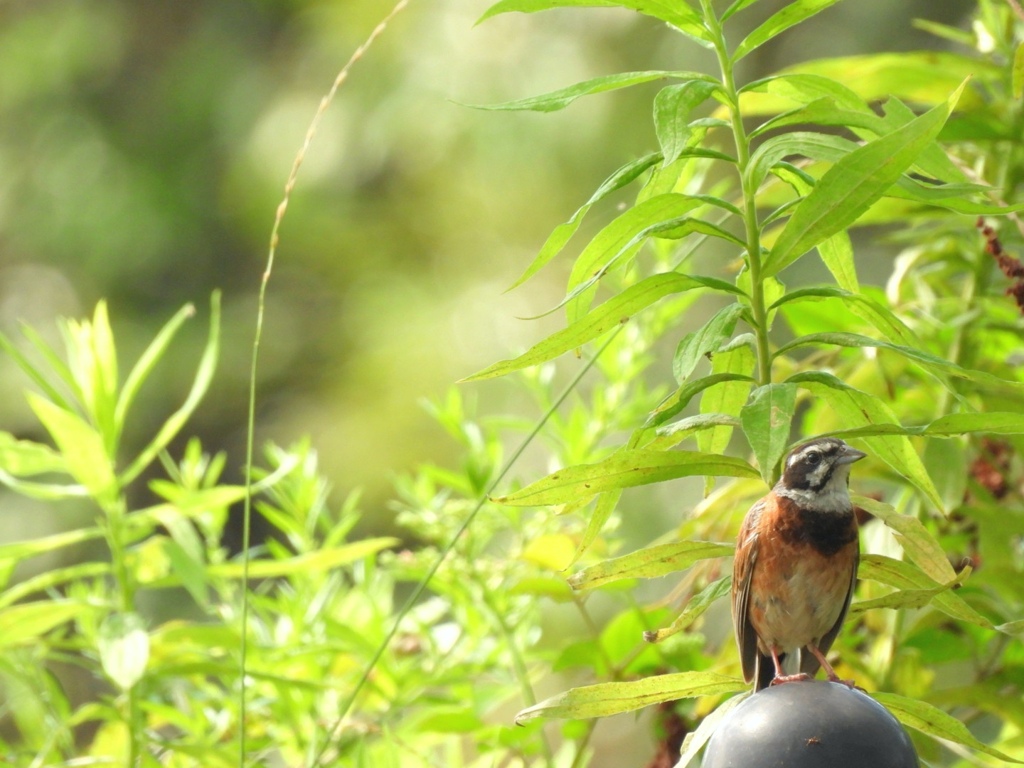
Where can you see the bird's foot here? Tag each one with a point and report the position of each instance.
(851, 684)
(782, 679)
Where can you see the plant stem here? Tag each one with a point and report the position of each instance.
(759, 313)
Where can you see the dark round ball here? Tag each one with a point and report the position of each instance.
(809, 724)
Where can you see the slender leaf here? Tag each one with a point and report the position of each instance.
(649, 563)
(80, 445)
(932, 721)
(618, 240)
(855, 182)
(679, 399)
(20, 550)
(903, 575)
(24, 458)
(767, 422)
(606, 504)
(672, 108)
(675, 12)
(1018, 72)
(693, 610)
(930, 362)
(727, 397)
(201, 382)
(324, 559)
(736, 7)
(143, 368)
(604, 699)
(837, 254)
(791, 14)
(624, 469)
(614, 312)
(805, 143)
(27, 622)
(917, 543)
(707, 339)
(563, 232)
(995, 423)
(881, 317)
(563, 97)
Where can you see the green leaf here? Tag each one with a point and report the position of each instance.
(931, 721)
(693, 610)
(996, 423)
(856, 181)
(20, 550)
(81, 447)
(563, 97)
(38, 376)
(606, 504)
(563, 232)
(617, 241)
(1018, 72)
(915, 540)
(857, 408)
(604, 699)
(679, 399)
(736, 7)
(890, 326)
(819, 146)
(779, 92)
(928, 361)
(24, 458)
(27, 622)
(790, 15)
(675, 12)
(729, 396)
(614, 312)
(917, 77)
(933, 160)
(903, 575)
(767, 422)
(624, 469)
(837, 254)
(143, 368)
(177, 420)
(325, 559)
(124, 648)
(707, 339)
(672, 108)
(824, 111)
(902, 599)
(49, 581)
(649, 563)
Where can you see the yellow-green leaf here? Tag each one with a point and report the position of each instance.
(606, 699)
(624, 469)
(649, 563)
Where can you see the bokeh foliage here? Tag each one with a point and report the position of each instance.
(189, 118)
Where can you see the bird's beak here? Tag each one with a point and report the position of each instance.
(850, 455)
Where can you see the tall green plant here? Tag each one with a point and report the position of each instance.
(806, 155)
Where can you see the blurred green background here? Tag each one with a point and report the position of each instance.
(144, 147)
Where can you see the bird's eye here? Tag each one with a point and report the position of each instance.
(813, 458)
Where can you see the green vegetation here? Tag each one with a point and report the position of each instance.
(514, 609)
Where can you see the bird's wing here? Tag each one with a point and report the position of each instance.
(808, 663)
(742, 569)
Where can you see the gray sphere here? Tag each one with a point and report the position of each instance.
(812, 724)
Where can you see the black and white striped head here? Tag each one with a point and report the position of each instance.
(818, 472)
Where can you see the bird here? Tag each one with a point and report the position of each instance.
(796, 566)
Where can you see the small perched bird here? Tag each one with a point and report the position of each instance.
(796, 566)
